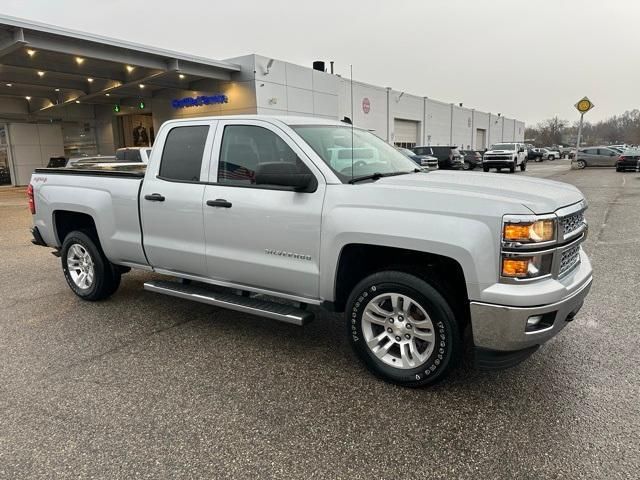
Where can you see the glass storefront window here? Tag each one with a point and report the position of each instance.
(5, 176)
(79, 138)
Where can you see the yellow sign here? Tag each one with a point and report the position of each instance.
(584, 105)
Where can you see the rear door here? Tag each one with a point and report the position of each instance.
(171, 198)
(264, 236)
(607, 157)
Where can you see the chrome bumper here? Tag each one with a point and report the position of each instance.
(503, 328)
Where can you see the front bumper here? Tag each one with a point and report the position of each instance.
(498, 163)
(503, 328)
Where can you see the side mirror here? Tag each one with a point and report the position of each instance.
(285, 174)
(521, 150)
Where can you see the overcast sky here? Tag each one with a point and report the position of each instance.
(526, 59)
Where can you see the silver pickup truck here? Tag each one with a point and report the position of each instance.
(268, 216)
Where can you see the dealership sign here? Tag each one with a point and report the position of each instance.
(199, 101)
(366, 105)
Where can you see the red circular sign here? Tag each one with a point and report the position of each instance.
(366, 105)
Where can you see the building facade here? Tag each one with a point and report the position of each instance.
(67, 93)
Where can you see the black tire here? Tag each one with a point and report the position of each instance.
(466, 166)
(106, 278)
(445, 352)
(512, 168)
(551, 157)
(581, 164)
(485, 169)
(523, 166)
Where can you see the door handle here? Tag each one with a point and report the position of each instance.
(219, 202)
(154, 197)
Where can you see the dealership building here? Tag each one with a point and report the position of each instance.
(67, 93)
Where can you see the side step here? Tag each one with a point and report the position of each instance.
(231, 301)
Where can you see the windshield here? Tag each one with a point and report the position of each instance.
(369, 154)
(503, 146)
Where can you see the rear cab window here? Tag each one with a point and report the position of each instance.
(182, 154)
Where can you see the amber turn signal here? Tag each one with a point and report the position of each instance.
(515, 267)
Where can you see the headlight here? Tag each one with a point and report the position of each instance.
(530, 266)
(529, 231)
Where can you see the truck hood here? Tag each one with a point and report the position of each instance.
(538, 195)
(500, 151)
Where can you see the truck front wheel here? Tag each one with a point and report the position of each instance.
(403, 329)
(87, 271)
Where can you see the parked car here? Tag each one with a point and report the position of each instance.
(249, 208)
(133, 154)
(471, 159)
(534, 154)
(88, 160)
(629, 160)
(449, 158)
(505, 155)
(565, 151)
(553, 154)
(596, 157)
(425, 161)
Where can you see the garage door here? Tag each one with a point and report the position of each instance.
(481, 139)
(405, 133)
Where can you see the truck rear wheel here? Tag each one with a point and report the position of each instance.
(87, 271)
(403, 329)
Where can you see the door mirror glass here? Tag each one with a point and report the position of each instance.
(284, 175)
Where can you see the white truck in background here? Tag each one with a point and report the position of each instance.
(505, 155)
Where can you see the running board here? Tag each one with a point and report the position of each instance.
(276, 311)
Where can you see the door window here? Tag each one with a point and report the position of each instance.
(182, 154)
(245, 147)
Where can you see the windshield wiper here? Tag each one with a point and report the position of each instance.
(378, 175)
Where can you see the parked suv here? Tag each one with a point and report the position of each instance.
(449, 157)
(425, 161)
(505, 155)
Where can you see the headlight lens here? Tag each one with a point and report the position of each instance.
(531, 232)
(526, 267)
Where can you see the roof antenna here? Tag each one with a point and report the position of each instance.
(352, 119)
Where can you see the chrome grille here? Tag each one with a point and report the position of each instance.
(570, 258)
(571, 223)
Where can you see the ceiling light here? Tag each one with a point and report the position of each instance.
(28, 98)
(57, 89)
(31, 53)
(77, 101)
(130, 68)
(141, 85)
(181, 75)
(9, 84)
(90, 80)
(41, 73)
(79, 60)
(107, 94)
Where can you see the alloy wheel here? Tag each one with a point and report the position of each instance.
(398, 330)
(80, 265)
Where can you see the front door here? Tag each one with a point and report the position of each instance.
(171, 199)
(261, 236)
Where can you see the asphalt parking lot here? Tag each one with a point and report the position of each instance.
(146, 386)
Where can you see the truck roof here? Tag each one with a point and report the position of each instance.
(286, 119)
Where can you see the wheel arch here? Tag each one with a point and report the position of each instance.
(66, 221)
(357, 261)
